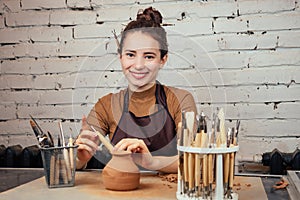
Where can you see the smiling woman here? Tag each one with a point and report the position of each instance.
(143, 118)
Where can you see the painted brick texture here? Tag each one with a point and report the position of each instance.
(58, 57)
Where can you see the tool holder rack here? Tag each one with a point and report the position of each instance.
(218, 193)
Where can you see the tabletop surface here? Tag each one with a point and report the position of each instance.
(89, 186)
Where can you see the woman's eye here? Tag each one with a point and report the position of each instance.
(149, 57)
(130, 55)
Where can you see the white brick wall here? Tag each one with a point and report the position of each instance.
(72, 17)
(10, 6)
(27, 18)
(2, 25)
(58, 57)
(42, 4)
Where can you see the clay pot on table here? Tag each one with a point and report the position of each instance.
(121, 173)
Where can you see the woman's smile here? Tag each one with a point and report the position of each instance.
(138, 75)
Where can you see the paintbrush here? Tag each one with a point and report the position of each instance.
(42, 138)
(41, 131)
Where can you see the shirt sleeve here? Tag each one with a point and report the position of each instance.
(98, 117)
(180, 100)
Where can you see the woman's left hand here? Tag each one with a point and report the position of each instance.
(131, 144)
(141, 154)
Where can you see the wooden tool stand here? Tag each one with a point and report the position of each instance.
(217, 193)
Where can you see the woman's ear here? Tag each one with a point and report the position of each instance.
(164, 60)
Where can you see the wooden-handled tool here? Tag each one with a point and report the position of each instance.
(210, 173)
(226, 162)
(180, 158)
(227, 165)
(190, 119)
(198, 161)
(221, 136)
(211, 157)
(71, 152)
(185, 154)
(231, 174)
(204, 143)
(234, 134)
(66, 161)
(105, 142)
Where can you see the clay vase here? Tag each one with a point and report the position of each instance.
(121, 173)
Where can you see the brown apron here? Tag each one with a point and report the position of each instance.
(158, 130)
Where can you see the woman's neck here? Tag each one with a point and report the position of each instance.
(141, 89)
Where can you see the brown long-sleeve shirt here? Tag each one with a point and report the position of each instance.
(107, 112)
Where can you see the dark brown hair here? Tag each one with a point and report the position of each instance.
(149, 22)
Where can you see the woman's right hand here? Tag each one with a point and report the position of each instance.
(87, 142)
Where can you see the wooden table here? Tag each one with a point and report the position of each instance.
(88, 186)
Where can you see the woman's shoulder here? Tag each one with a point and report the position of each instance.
(180, 99)
(179, 93)
(111, 98)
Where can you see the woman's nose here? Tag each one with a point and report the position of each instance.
(139, 62)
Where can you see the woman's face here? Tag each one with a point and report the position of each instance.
(140, 60)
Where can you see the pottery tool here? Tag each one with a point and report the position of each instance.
(71, 152)
(37, 125)
(204, 144)
(190, 119)
(63, 169)
(185, 154)
(52, 170)
(226, 158)
(234, 134)
(40, 135)
(104, 141)
(180, 158)
(198, 159)
(51, 141)
(231, 174)
(212, 138)
(43, 138)
(235, 139)
(211, 157)
(210, 169)
(66, 161)
(221, 137)
(35, 129)
(57, 166)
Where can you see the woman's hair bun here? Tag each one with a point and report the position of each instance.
(150, 14)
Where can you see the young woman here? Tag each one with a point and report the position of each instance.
(143, 118)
